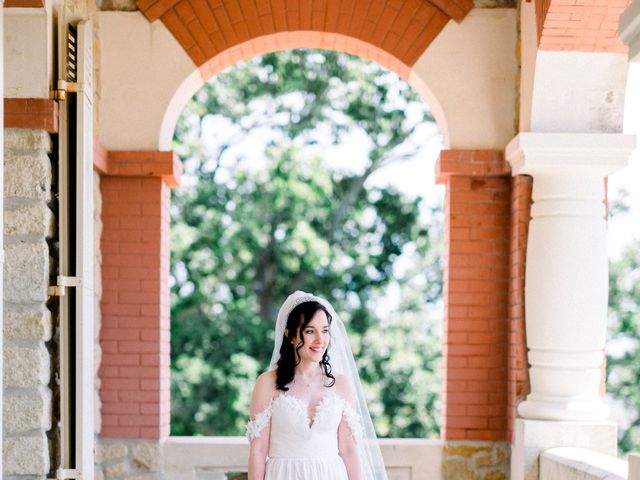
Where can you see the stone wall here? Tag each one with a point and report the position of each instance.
(28, 229)
(129, 460)
(469, 460)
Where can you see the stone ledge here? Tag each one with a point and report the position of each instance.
(532, 437)
(572, 463)
(26, 139)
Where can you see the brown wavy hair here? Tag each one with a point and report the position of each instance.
(298, 319)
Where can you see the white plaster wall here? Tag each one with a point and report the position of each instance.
(467, 75)
(200, 458)
(28, 49)
(471, 69)
(578, 92)
(141, 66)
(528, 54)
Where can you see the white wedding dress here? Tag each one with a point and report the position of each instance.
(301, 448)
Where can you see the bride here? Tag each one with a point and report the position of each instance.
(308, 418)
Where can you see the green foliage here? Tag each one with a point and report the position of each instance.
(252, 224)
(623, 348)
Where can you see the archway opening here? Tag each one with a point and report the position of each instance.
(310, 170)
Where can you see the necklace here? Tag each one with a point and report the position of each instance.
(314, 377)
(306, 383)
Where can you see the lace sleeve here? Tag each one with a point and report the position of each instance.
(354, 421)
(261, 420)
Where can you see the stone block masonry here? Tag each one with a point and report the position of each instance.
(29, 226)
(476, 460)
(129, 460)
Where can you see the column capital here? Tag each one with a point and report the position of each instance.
(629, 28)
(597, 154)
(138, 163)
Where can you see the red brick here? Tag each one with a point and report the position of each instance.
(120, 432)
(139, 420)
(467, 422)
(120, 359)
(120, 384)
(129, 408)
(31, 113)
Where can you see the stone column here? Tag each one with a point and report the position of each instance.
(566, 277)
(29, 224)
(565, 292)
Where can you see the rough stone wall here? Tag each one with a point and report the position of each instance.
(29, 225)
(468, 460)
(129, 460)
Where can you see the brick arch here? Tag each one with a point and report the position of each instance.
(215, 34)
(288, 40)
(402, 28)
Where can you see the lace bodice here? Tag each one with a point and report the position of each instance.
(295, 435)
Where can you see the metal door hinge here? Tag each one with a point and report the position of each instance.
(64, 87)
(64, 282)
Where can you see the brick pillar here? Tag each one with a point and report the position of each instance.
(477, 226)
(134, 337)
(518, 371)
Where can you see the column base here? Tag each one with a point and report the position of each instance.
(532, 437)
(572, 409)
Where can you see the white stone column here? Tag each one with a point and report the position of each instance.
(566, 282)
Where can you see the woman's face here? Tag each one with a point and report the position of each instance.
(316, 338)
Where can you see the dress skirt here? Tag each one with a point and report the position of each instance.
(280, 468)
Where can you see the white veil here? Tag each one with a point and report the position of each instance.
(342, 362)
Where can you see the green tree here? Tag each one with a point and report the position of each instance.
(623, 347)
(250, 226)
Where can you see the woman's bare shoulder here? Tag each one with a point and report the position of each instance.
(266, 380)
(263, 391)
(268, 375)
(344, 386)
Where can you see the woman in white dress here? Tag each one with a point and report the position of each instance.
(308, 418)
